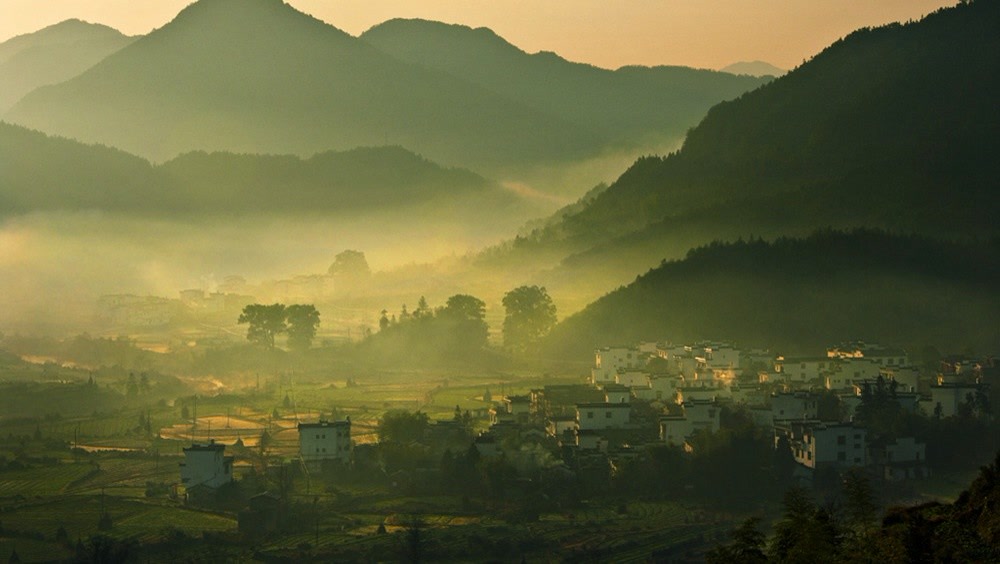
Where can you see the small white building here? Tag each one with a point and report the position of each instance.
(617, 393)
(675, 429)
(596, 416)
(794, 405)
(609, 361)
(950, 397)
(816, 445)
(206, 465)
(903, 458)
(907, 377)
(325, 440)
(804, 369)
(633, 378)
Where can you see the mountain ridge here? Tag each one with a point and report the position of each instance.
(52, 55)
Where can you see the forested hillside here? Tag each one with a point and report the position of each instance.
(892, 128)
(790, 294)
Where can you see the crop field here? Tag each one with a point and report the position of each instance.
(42, 481)
(132, 518)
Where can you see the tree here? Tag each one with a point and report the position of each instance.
(401, 426)
(422, 310)
(467, 316)
(530, 316)
(265, 322)
(302, 323)
(383, 320)
(349, 269)
(747, 546)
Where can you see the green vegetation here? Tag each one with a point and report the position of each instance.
(451, 335)
(890, 127)
(791, 292)
(41, 173)
(967, 530)
(530, 316)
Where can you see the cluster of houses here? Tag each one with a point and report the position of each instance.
(663, 394)
(660, 393)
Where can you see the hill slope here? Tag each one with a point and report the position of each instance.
(39, 173)
(623, 105)
(52, 55)
(892, 127)
(796, 294)
(257, 76)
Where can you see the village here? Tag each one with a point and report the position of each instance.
(826, 413)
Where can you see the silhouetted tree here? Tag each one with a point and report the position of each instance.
(302, 323)
(530, 315)
(265, 322)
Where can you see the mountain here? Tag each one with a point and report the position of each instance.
(796, 294)
(753, 68)
(257, 76)
(893, 127)
(52, 55)
(39, 173)
(624, 106)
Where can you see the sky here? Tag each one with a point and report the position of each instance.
(698, 33)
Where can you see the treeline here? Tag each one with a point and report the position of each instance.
(454, 332)
(792, 294)
(967, 530)
(457, 332)
(38, 172)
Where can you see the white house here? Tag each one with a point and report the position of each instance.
(560, 424)
(908, 377)
(720, 355)
(903, 458)
(856, 369)
(698, 415)
(325, 440)
(617, 393)
(804, 369)
(675, 429)
(816, 445)
(633, 378)
(950, 396)
(206, 465)
(703, 414)
(793, 405)
(594, 416)
(609, 361)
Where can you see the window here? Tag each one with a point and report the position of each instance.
(841, 456)
(590, 415)
(607, 415)
(857, 460)
(857, 436)
(841, 440)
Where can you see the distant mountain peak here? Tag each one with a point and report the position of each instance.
(754, 68)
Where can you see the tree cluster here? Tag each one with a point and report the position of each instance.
(266, 322)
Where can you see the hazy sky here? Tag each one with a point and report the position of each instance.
(700, 33)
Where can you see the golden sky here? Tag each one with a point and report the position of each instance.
(699, 33)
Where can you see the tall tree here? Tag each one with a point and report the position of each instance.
(302, 323)
(467, 316)
(530, 316)
(265, 322)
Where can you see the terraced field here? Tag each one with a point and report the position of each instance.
(42, 481)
